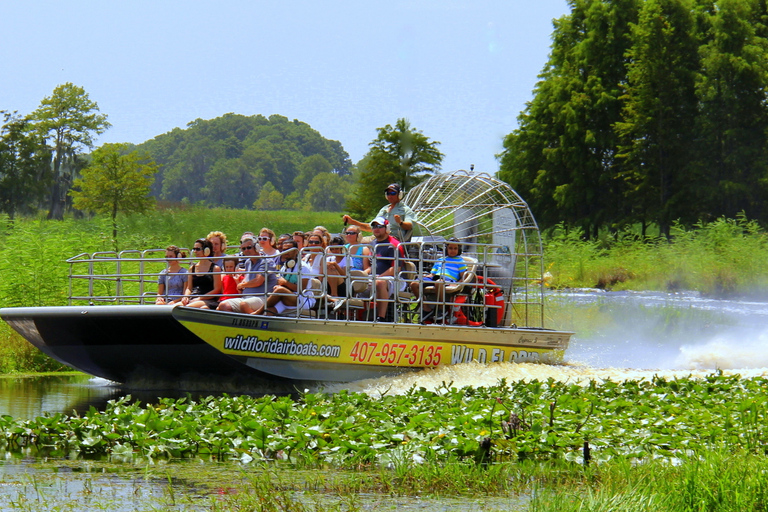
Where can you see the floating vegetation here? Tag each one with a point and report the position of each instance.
(535, 420)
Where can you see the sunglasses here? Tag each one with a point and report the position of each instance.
(197, 249)
(391, 192)
(376, 226)
(247, 248)
(348, 233)
(314, 242)
(263, 239)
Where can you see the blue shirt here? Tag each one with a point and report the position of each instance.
(450, 266)
(259, 267)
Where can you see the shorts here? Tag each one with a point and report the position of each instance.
(430, 278)
(391, 284)
(305, 302)
(254, 302)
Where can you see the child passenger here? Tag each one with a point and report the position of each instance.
(230, 279)
(448, 269)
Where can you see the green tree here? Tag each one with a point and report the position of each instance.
(115, 182)
(732, 132)
(229, 182)
(326, 192)
(562, 157)
(24, 165)
(308, 170)
(399, 154)
(269, 198)
(660, 113)
(70, 119)
(224, 161)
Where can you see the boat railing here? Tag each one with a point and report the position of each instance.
(131, 277)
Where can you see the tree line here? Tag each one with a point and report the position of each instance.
(250, 161)
(648, 112)
(234, 161)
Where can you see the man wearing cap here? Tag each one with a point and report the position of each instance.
(260, 278)
(385, 268)
(399, 216)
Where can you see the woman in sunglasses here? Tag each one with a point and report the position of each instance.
(316, 261)
(204, 281)
(266, 240)
(359, 257)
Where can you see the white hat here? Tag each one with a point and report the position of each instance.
(381, 221)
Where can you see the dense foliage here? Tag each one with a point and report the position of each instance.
(237, 160)
(25, 173)
(538, 420)
(647, 112)
(721, 258)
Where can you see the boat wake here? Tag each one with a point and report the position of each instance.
(476, 375)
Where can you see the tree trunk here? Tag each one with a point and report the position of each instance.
(56, 206)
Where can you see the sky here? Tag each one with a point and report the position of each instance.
(459, 70)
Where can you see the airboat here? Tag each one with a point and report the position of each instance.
(112, 329)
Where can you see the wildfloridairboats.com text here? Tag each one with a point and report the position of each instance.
(277, 347)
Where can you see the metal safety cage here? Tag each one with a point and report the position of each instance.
(477, 208)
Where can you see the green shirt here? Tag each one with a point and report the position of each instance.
(406, 215)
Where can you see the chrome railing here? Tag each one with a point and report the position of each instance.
(130, 277)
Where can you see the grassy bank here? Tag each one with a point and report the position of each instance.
(721, 258)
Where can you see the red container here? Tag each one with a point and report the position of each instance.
(494, 312)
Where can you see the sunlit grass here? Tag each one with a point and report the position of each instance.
(719, 258)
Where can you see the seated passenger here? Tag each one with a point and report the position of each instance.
(359, 256)
(219, 244)
(266, 240)
(285, 295)
(171, 280)
(204, 278)
(299, 238)
(246, 235)
(448, 269)
(282, 238)
(317, 264)
(259, 277)
(385, 249)
(230, 279)
(335, 263)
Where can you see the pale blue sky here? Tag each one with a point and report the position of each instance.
(459, 70)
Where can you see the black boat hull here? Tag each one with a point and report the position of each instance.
(143, 347)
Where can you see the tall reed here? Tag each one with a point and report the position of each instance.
(723, 257)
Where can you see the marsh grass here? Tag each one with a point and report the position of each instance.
(662, 445)
(720, 258)
(705, 481)
(713, 481)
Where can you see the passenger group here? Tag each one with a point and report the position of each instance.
(268, 273)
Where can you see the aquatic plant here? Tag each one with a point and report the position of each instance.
(536, 420)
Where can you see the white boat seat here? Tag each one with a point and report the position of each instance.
(315, 289)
